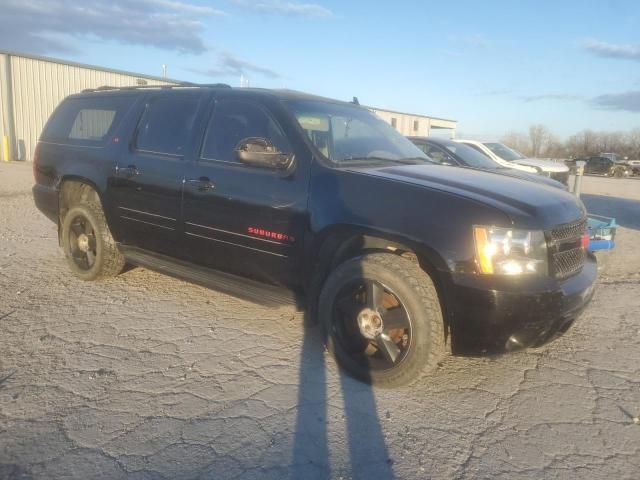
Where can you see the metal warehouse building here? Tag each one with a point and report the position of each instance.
(414, 124)
(31, 87)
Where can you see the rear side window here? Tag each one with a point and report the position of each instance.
(166, 124)
(92, 124)
(86, 120)
(233, 121)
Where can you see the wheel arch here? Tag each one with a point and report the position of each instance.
(342, 242)
(73, 189)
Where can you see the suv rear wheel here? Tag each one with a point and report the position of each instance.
(382, 319)
(88, 245)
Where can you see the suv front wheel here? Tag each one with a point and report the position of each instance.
(382, 319)
(88, 245)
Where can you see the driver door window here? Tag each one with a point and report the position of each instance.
(234, 121)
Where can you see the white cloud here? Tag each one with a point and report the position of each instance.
(562, 97)
(279, 7)
(611, 50)
(230, 65)
(168, 24)
(627, 101)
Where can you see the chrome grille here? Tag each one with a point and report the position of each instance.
(569, 232)
(569, 262)
(566, 253)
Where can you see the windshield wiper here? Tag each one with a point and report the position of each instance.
(412, 160)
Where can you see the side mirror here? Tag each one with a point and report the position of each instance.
(260, 152)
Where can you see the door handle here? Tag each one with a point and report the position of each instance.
(128, 171)
(202, 184)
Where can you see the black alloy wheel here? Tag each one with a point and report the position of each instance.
(82, 240)
(372, 325)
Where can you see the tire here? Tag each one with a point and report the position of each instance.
(102, 259)
(367, 354)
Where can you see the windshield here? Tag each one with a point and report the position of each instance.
(504, 152)
(348, 134)
(471, 157)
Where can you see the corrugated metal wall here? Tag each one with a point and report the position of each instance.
(39, 86)
(405, 122)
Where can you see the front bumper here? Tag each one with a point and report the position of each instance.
(488, 314)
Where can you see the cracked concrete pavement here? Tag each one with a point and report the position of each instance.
(148, 377)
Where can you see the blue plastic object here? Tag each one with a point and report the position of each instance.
(602, 232)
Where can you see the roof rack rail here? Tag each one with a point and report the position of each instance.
(162, 87)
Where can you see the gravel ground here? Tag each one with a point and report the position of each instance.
(147, 377)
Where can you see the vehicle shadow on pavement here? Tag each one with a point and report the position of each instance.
(624, 210)
(312, 452)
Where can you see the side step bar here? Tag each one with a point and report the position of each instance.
(247, 289)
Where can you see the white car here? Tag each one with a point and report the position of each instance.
(513, 159)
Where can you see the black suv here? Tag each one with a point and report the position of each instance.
(279, 196)
(605, 166)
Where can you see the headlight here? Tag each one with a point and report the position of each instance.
(505, 251)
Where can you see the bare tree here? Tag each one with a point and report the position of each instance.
(517, 141)
(632, 143)
(538, 136)
(555, 148)
(583, 143)
(541, 142)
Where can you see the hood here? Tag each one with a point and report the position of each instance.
(544, 165)
(528, 204)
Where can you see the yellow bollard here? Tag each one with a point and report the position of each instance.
(5, 148)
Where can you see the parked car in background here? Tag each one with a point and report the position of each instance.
(514, 159)
(448, 152)
(635, 166)
(601, 165)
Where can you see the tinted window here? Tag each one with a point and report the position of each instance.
(436, 154)
(504, 152)
(167, 122)
(422, 147)
(233, 121)
(476, 148)
(92, 124)
(471, 157)
(86, 120)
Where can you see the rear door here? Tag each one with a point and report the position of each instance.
(244, 219)
(147, 188)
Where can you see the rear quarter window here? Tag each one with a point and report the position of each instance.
(85, 121)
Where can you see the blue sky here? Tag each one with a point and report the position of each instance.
(495, 66)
